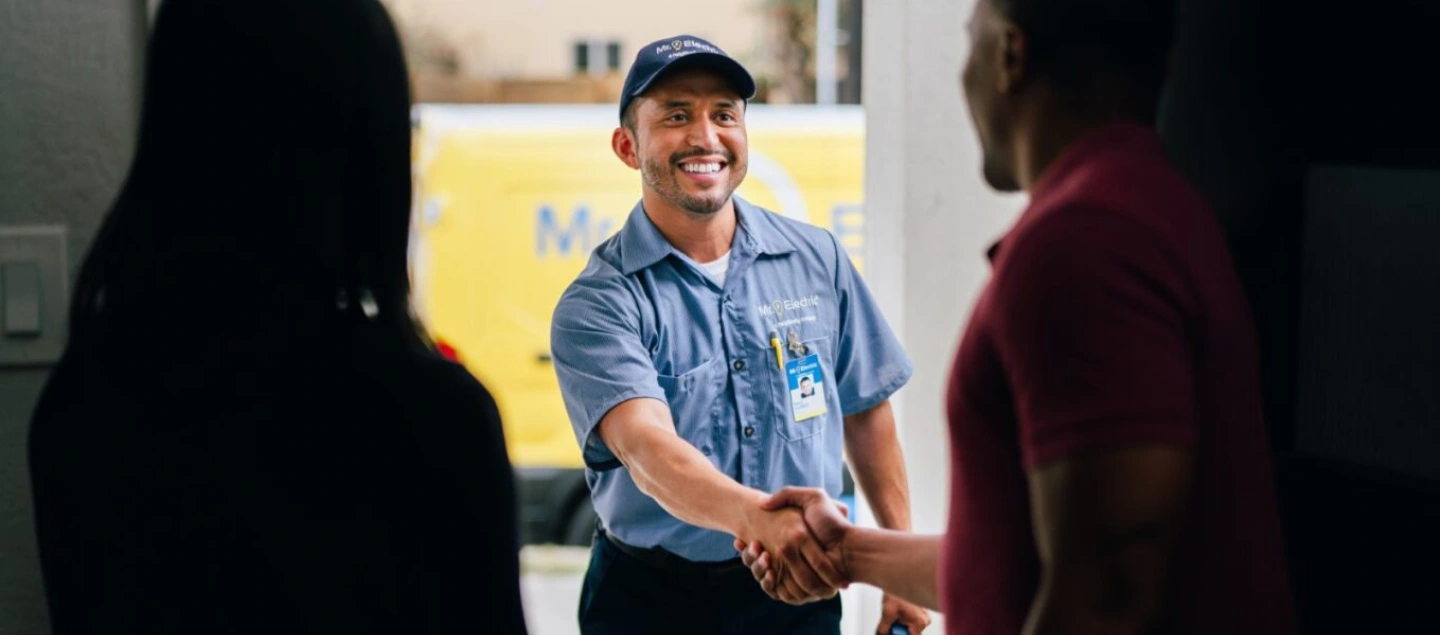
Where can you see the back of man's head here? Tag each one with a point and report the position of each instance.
(1072, 42)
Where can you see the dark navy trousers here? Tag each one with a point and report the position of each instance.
(639, 592)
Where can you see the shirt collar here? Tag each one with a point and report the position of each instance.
(1120, 137)
(643, 245)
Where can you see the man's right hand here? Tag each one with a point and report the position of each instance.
(800, 569)
(784, 577)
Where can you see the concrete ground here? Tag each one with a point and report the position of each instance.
(550, 587)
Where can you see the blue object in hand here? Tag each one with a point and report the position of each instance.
(899, 629)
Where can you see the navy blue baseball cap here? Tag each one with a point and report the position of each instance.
(682, 51)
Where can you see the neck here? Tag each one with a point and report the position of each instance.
(701, 237)
(1055, 123)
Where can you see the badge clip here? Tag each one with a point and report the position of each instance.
(796, 347)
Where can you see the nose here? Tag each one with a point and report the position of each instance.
(704, 134)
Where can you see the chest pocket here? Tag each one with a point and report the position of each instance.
(789, 428)
(695, 401)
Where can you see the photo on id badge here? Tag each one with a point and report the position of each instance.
(807, 387)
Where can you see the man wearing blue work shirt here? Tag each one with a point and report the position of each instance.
(680, 351)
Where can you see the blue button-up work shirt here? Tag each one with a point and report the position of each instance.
(644, 320)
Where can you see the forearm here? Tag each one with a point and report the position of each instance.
(1106, 526)
(687, 485)
(1113, 582)
(1089, 604)
(878, 464)
(899, 563)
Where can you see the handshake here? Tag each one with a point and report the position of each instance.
(800, 548)
(794, 544)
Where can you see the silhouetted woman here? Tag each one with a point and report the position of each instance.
(248, 432)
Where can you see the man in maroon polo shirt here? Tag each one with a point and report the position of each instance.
(1109, 463)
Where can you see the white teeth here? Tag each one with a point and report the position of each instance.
(700, 168)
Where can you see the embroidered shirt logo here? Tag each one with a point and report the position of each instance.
(778, 308)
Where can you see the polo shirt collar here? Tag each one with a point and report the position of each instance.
(1119, 137)
(642, 244)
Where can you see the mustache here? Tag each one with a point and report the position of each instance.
(701, 152)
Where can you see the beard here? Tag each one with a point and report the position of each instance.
(662, 178)
(997, 175)
(988, 121)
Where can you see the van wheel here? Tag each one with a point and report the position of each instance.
(580, 531)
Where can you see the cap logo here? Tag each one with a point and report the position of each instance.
(676, 45)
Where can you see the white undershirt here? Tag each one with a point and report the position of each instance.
(717, 268)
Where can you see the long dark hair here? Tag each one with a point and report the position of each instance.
(271, 178)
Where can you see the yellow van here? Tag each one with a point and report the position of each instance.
(510, 202)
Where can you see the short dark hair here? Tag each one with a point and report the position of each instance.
(627, 118)
(1071, 40)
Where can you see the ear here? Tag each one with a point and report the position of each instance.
(1012, 60)
(622, 141)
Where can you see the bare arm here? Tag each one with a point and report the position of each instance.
(677, 475)
(879, 465)
(666, 468)
(1105, 528)
(899, 563)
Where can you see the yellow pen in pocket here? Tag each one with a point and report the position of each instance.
(779, 352)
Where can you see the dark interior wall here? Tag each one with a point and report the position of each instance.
(1311, 127)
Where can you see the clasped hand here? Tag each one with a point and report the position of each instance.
(795, 547)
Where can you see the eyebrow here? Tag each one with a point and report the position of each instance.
(684, 103)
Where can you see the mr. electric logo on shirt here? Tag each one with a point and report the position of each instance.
(791, 308)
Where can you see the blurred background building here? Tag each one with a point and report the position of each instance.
(577, 51)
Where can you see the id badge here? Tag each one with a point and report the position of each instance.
(807, 387)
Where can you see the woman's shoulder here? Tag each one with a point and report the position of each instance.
(426, 375)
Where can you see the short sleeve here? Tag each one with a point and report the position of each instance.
(870, 365)
(1091, 328)
(600, 359)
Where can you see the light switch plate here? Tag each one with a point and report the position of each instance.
(43, 248)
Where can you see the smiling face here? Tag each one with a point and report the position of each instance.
(688, 141)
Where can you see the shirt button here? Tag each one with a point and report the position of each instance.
(749, 431)
(739, 364)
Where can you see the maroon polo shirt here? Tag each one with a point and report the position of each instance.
(1113, 317)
